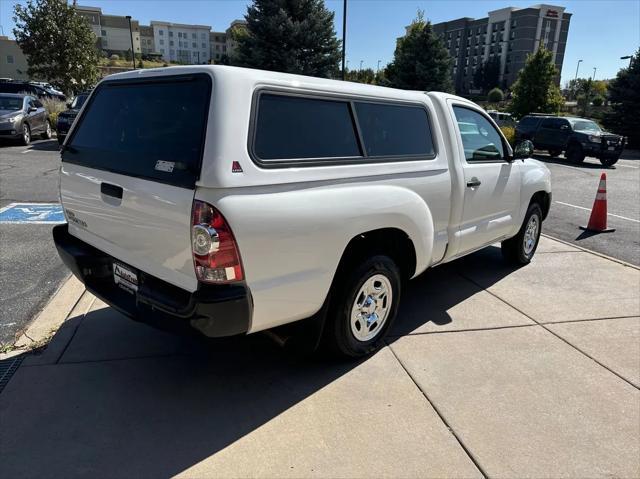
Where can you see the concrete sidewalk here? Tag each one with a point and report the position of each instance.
(490, 371)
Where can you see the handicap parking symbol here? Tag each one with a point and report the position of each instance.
(32, 213)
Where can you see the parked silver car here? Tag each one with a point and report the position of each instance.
(22, 117)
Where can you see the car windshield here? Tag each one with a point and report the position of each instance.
(585, 125)
(10, 103)
(78, 101)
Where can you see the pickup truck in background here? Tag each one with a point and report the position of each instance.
(231, 200)
(577, 137)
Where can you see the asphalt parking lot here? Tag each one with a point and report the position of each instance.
(574, 190)
(30, 270)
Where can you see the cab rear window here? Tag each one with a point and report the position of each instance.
(153, 129)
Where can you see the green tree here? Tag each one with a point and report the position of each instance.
(58, 43)
(624, 97)
(536, 89)
(421, 60)
(495, 95)
(294, 36)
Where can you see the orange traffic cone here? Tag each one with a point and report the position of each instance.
(598, 218)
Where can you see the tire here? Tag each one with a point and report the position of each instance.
(60, 140)
(47, 131)
(575, 154)
(609, 161)
(26, 135)
(520, 249)
(347, 332)
(554, 153)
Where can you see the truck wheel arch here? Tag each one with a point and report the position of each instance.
(392, 242)
(543, 198)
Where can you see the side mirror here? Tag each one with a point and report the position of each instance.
(564, 127)
(523, 150)
(31, 109)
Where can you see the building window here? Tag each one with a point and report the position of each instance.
(513, 35)
(194, 45)
(172, 52)
(161, 32)
(170, 43)
(224, 48)
(103, 33)
(514, 23)
(478, 32)
(204, 45)
(179, 34)
(193, 35)
(162, 51)
(170, 33)
(161, 41)
(10, 59)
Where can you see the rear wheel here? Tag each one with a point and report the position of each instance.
(47, 131)
(554, 153)
(575, 154)
(25, 139)
(363, 307)
(520, 249)
(609, 161)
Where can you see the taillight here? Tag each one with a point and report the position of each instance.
(215, 252)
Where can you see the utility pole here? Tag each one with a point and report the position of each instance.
(344, 33)
(133, 52)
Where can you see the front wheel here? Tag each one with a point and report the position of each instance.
(609, 161)
(520, 249)
(554, 153)
(363, 307)
(26, 135)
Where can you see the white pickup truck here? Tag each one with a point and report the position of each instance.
(228, 200)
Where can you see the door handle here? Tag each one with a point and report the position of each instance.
(473, 182)
(111, 190)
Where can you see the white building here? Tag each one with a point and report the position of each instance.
(182, 43)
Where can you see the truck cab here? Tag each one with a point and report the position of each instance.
(230, 201)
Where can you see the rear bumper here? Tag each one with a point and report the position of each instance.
(212, 310)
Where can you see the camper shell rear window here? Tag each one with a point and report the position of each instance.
(152, 128)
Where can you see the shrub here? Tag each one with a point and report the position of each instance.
(509, 133)
(597, 101)
(495, 95)
(114, 57)
(53, 107)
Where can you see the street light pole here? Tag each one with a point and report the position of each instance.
(133, 52)
(344, 33)
(627, 57)
(361, 64)
(594, 73)
(378, 69)
(577, 68)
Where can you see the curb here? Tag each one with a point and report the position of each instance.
(47, 322)
(602, 255)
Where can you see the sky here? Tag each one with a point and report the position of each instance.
(601, 31)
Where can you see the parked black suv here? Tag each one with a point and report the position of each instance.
(577, 137)
(29, 89)
(65, 118)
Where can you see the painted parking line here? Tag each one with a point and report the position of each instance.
(589, 209)
(32, 213)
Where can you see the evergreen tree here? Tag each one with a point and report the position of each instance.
(624, 97)
(421, 60)
(294, 36)
(536, 90)
(58, 43)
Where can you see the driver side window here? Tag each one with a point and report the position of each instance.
(480, 139)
